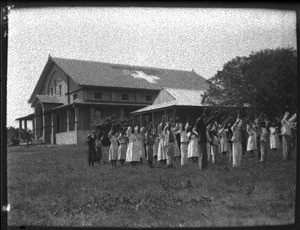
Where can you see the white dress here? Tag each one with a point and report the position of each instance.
(274, 138)
(113, 149)
(155, 146)
(161, 152)
(223, 140)
(252, 140)
(141, 145)
(193, 148)
(133, 150)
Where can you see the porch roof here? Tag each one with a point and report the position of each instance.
(28, 117)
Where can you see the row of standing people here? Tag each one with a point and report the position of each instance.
(161, 144)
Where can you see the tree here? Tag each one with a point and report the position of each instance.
(104, 124)
(266, 80)
(13, 136)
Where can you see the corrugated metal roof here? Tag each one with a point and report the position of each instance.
(116, 75)
(182, 97)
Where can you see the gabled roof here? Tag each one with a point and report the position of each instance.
(51, 99)
(181, 97)
(116, 75)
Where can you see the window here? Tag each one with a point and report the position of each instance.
(51, 90)
(148, 98)
(98, 95)
(125, 97)
(59, 89)
(98, 113)
(55, 84)
(74, 96)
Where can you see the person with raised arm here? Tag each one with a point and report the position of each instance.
(150, 139)
(222, 132)
(156, 141)
(236, 142)
(132, 154)
(183, 142)
(98, 146)
(161, 153)
(252, 140)
(286, 134)
(175, 129)
(257, 121)
(200, 128)
(170, 139)
(122, 147)
(141, 140)
(213, 139)
(274, 137)
(113, 149)
(229, 124)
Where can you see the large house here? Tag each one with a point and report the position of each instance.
(71, 94)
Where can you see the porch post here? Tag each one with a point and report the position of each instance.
(141, 123)
(25, 124)
(77, 127)
(153, 125)
(35, 126)
(44, 126)
(92, 115)
(68, 119)
(20, 129)
(53, 128)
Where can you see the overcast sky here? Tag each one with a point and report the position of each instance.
(185, 39)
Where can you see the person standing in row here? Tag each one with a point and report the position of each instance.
(286, 135)
(161, 153)
(122, 147)
(252, 139)
(213, 139)
(274, 138)
(98, 146)
(200, 128)
(236, 142)
(170, 139)
(150, 139)
(92, 151)
(193, 148)
(113, 149)
(223, 138)
(155, 146)
(263, 142)
(133, 148)
(183, 142)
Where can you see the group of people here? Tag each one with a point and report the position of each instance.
(210, 136)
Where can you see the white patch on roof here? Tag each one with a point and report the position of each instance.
(142, 75)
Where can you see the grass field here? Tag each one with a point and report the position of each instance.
(53, 186)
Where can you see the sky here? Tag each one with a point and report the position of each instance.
(199, 39)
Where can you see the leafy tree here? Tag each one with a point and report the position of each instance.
(266, 80)
(104, 124)
(13, 136)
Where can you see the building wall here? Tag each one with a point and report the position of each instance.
(58, 76)
(66, 138)
(115, 95)
(84, 118)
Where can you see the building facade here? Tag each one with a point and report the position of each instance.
(71, 94)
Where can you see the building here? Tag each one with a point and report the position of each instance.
(180, 103)
(71, 94)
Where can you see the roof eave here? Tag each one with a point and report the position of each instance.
(41, 79)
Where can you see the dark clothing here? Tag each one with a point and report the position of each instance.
(92, 151)
(201, 130)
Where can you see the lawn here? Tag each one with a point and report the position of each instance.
(53, 186)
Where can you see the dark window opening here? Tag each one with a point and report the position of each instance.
(51, 91)
(74, 96)
(97, 113)
(98, 95)
(59, 89)
(55, 84)
(148, 98)
(125, 97)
